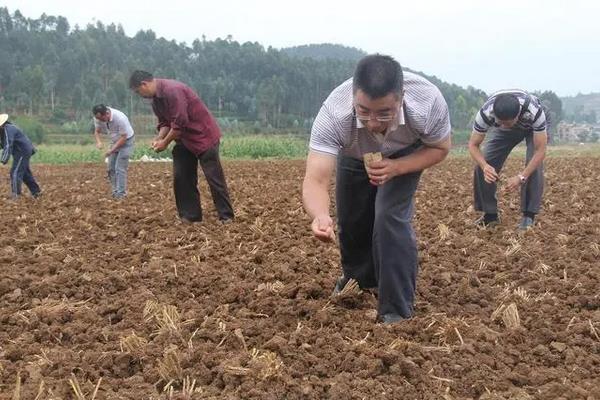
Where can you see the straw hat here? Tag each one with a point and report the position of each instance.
(3, 119)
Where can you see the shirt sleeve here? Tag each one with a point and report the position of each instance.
(483, 122)
(162, 121)
(326, 133)
(177, 109)
(8, 139)
(437, 125)
(539, 123)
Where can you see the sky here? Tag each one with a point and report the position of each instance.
(491, 45)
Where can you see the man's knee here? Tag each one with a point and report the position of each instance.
(392, 220)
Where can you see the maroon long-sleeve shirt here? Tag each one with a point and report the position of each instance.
(177, 106)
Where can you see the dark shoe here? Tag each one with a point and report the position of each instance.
(36, 195)
(486, 222)
(526, 223)
(340, 284)
(390, 318)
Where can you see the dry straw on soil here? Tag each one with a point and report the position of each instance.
(188, 390)
(350, 288)
(79, 395)
(169, 368)
(509, 315)
(166, 318)
(447, 329)
(133, 344)
(266, 364)
(444, 231)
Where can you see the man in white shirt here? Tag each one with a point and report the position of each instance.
(113, 122)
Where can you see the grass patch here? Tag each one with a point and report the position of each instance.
(256, 147)
(259, 147)
(236, 147)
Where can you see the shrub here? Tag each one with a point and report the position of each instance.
(34, 130)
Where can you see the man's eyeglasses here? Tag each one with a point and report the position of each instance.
(381, 117)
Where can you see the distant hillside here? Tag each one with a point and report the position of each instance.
(588, 102)
(48, 69)
(325, 51)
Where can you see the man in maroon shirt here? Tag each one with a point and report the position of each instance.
(183, 118)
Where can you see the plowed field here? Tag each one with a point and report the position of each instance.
(118, 296)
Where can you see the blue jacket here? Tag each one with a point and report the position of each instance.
(14, 142)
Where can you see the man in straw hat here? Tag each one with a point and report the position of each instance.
(14, 142)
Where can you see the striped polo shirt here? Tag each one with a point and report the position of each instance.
(532, 119)
(424, 110)
(116, 126)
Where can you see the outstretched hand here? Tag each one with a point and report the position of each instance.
(322, 228)
(489, 174)
(513, 183)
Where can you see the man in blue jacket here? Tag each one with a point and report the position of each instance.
(14, 142)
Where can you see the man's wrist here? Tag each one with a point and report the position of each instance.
(321, 216)
(398, 168)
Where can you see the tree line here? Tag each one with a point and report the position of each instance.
(55, 71)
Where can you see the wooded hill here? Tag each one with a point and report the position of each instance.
(55, 71)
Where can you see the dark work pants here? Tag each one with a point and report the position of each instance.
(495, 153)
(20, 172)
(185, 182)
(377, 241)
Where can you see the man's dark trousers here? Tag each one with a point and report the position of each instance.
(495, 153)
(185, 182)
(377, 241)
(21, 172)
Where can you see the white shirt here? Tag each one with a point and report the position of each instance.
(116, 126)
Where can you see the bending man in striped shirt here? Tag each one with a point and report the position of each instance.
(403, 118)
(512, 115)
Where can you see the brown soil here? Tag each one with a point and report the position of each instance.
(91, 288)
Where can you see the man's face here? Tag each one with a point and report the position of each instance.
(376, 114)
(145, 90)
(103, 117)
(508, 123)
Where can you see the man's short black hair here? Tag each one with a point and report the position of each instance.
(506, 107)
(99, 109)
(139, 76)
(378, 75)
